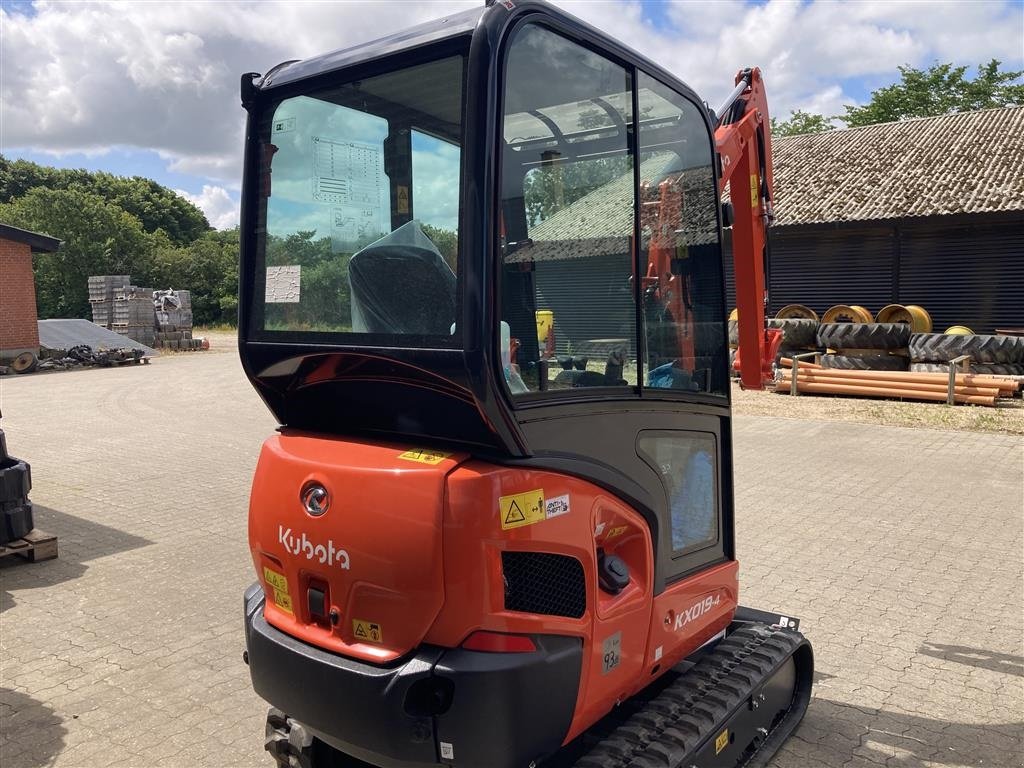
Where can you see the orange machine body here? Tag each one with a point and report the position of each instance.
(409, 552)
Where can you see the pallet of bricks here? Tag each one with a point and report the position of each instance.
(101, 296)
(174, 320)
(133, 313)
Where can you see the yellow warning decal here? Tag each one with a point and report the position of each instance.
(754, 191)
(424, 457)
(521, 509)
(279, 588)
(722, 741)
(367, 631)
(402, 196)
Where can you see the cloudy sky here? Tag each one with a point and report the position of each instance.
(151, 88)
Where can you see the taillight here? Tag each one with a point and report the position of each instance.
(495, 642)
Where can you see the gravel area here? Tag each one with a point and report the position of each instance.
(1006, 418)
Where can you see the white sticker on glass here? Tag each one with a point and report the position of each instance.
(283, 284)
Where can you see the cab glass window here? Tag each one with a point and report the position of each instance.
(568, 318)
(359, 196)
(683, 306)
(686, 463)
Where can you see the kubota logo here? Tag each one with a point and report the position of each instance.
(323, 554)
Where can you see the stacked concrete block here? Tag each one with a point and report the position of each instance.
(101, 296)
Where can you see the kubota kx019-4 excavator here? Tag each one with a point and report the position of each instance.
(472, 552)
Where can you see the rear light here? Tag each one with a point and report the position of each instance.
(495, 642)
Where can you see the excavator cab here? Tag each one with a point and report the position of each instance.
(482, 292)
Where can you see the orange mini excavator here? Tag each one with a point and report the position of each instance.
(473, 549)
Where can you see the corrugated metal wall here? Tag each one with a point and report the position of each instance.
(591, 299)
(972, 277)
(963, 274)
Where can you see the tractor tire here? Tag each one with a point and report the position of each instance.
(882, 336)
(796, 332)
(26, 362)
(15, 480)
(866, 363)
(941, 348)
(998, 369)
(15, 521)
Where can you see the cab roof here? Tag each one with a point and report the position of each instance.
(414, 37)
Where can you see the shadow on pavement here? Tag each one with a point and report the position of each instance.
(976, 657)
(898, 740)
(32, 734)
(78, 541)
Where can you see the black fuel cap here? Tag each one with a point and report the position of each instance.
(612, 572)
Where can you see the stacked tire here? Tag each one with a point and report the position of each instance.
(864, 346)
(1002, 355)
(15, 484)
(798, 336)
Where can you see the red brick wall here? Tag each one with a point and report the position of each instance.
(18, 328)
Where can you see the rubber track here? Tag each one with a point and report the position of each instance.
(942, 347)
(679, 719)
(863, 335)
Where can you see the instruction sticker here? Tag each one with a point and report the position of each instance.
(279, 588)
(424, 457)
(722, 741)
(367, 631)
(284, 125)
(402, 196)
(521, 509)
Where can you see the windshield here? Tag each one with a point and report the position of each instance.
(359, 209)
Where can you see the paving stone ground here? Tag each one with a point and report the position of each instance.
(901, 550)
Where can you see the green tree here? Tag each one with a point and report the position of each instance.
(99, 238)
(155, 206)
(939, 90)
(801, 122)
(207, 267)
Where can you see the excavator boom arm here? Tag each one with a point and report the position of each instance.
(743, 142)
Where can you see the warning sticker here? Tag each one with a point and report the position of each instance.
(402, 195)
(279, 589)
(367, 631)
(722, 741)
(424, 457)
(521, 509)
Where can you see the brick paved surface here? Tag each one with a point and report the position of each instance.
(900, 549)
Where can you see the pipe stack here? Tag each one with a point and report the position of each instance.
(973, 389)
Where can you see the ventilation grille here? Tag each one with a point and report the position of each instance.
(539, 582)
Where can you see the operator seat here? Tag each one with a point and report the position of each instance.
(401, 284)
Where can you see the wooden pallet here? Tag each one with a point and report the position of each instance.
(36, 546)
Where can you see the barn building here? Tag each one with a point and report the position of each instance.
(19, 328)
(927, 211)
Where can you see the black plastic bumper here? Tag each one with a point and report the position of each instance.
(482, 709)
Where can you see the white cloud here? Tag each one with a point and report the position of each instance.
(164, 76)
(220, 207)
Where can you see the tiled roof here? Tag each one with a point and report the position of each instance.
(971, 162)
(601, 222)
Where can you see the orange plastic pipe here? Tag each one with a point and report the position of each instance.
(965, 379)
(803, 364)
(841, 389)
(923, 387)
